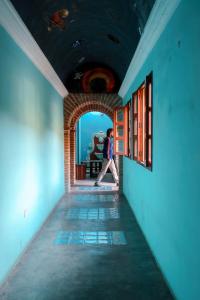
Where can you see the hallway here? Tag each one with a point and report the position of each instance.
(90, 248)
(84, 84)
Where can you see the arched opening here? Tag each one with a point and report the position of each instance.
(91, 130)
(71, 120)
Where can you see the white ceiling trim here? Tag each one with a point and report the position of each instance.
(13, 24)
(159, 17)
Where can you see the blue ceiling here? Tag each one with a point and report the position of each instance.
(100, 32)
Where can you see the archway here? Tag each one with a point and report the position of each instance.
(91, 131)
(75, 105)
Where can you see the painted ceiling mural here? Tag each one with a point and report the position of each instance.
(89, 43)
(93, 78)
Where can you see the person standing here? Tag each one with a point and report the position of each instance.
(108, 161)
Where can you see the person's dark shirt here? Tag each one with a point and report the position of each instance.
(108, 148)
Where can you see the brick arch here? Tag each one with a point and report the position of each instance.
(74, 102)
(75, 105)
(89, 107)
(93, 110)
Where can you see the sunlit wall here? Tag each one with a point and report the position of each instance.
(166, 201)
(31, 151)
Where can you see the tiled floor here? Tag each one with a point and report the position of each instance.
(91, 248)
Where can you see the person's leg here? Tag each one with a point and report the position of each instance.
(103, 171)
(114, 171)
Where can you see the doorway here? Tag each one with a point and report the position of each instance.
(90, 131)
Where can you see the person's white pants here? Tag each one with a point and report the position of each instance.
(108, 163)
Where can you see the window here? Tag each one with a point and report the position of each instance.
(121, 130)
(142, 123)
(133, 126)
(149, 119)
(130, 130)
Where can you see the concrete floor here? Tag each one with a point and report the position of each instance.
(109, 267)
(87, 185)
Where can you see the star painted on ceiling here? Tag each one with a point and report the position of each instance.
(78, 76)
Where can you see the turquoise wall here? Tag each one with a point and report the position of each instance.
(89, 124)
(31, 151)
(166, 201)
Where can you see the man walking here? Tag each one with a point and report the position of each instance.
(108, 161)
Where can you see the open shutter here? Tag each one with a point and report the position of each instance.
(130, 130)
(121, 130)
(135, 125)
(149, 119)
(142, 125)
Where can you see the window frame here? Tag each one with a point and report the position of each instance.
(132, 116)
(129, 130)
(135, 125)
(124, 124)
(149, 121)
(147, 163)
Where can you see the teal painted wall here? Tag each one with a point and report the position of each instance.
(89, 124)
(166, 201)
(31, 151)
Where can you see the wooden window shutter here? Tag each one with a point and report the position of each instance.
(142, 125)
(148, 85)
(135, 125)
(130, 129)
(121, 130)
